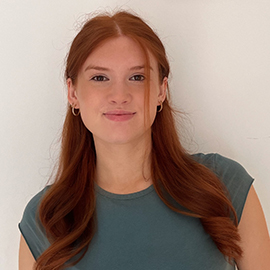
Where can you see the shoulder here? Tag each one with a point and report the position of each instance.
(32, 205)
(232, 174)
(31, 228)
(225, 168)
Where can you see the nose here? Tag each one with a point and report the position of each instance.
(119, 93)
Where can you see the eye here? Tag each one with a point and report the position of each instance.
(99, 78)
(137, 77)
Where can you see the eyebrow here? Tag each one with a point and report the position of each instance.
(107, 69)
(96, 68)
(139, 67)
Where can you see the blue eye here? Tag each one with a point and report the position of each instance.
(137, 77)
(99, 78)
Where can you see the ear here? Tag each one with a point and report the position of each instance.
(163, 90)
(72, 94)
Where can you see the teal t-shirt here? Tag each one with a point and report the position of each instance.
(138, 231)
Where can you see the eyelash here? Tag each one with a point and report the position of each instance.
(101, 78)
(142, 77)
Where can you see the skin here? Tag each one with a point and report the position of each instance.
(255, 240)
(26, 259)
(112, 79)
(252, 229)
(123, 146)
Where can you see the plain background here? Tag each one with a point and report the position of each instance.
(220, 58)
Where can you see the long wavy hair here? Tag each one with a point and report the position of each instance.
(67, 211)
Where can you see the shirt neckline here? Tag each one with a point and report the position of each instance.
(128, 196)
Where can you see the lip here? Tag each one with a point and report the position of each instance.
(119, 115)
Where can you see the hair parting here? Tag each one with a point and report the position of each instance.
(67, 210)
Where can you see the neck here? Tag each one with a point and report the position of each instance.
(123, 168)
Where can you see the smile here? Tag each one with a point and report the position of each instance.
(119, 116)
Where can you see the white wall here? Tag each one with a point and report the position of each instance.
(220, 59)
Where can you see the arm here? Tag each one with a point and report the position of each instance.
(255, 240)
(26, 259)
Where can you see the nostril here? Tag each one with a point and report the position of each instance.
(118, 97)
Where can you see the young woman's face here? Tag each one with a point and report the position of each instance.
(110, 92)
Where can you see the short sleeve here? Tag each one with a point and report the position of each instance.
(233, 175)
(31, 229)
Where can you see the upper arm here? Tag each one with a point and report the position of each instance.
(26, 259)
(255, 240)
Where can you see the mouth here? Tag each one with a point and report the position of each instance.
(119, 115)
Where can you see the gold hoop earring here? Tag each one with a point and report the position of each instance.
(73, 110)
(161, 107)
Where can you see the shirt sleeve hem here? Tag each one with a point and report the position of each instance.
(245, 199)
(21, 230)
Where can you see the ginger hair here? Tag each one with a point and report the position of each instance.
(67, 211)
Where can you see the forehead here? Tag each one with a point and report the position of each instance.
(120, 50)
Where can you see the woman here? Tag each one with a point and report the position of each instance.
(126, 194)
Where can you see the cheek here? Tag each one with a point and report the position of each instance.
(154, 101)
(154, 98)
(87, 118)
(89, 110)
(152, 110)
(89, 100)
